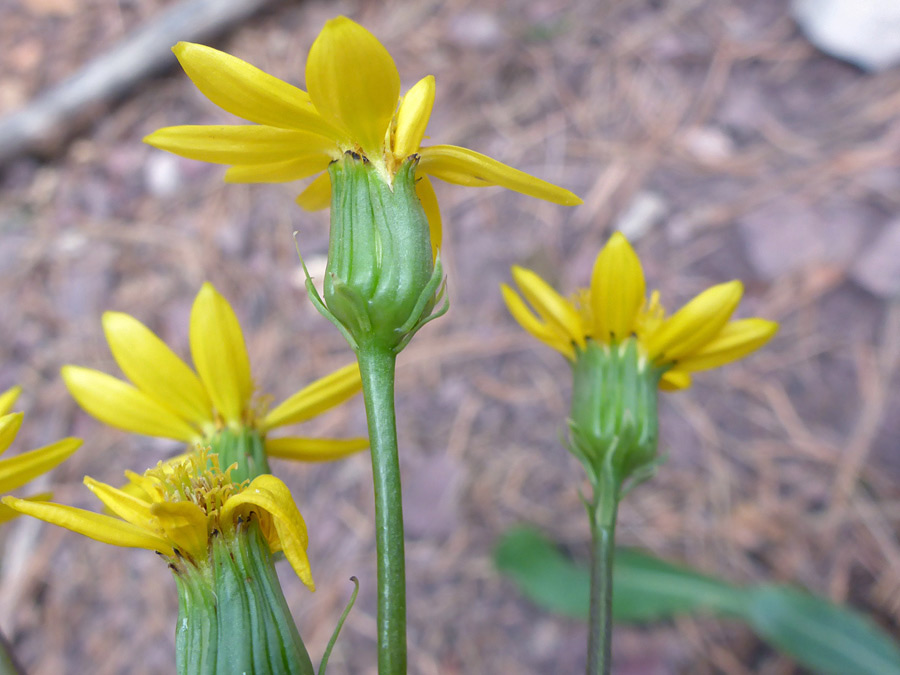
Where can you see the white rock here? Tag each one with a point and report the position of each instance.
(863, 32)
(162, 174)
(644, 212)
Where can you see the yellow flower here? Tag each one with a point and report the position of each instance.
(699, 336)
(353, 105)
(18, 470)
(168, 399)
(177, 509)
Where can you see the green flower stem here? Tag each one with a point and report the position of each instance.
(603, 547)
(376, 365)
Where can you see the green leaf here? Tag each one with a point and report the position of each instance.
(543, 574)
(644, 587)
(818, 634)
(824, 637)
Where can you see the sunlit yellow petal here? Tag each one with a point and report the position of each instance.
(617, 290)
(248, 92)
(247, 144)
(155, 369)
(425, 193)
(184, 524)
(94, 525)
(695, 324)
(467, 167)
(122, 406)
(352, 78)
(734, 341)
(550, 305)
(673, 380)
(279, 172)
(219, 352)
(535, 326)
(9, 427)
(412, 117)
(122, 503)
(317, 195)
(8, 399)
(314, 449)
(270, 495)
(18, 470)
(7, 513)
(314, 399)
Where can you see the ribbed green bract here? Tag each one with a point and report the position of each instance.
(381, 281)
(245, 448)
(614, 425)
(232, 615)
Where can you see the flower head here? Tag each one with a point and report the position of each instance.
(169, 399)
(18, 470)
(178, 509)
(353, 105)
(699, 336)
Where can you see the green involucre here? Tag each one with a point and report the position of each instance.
(232, 615)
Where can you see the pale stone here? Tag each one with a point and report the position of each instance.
(863, 32)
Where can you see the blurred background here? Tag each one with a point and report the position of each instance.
(712, 132)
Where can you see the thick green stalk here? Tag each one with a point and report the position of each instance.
(603, 546)
(376, 365)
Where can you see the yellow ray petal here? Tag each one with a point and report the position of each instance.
(352, 78)
(314, 399)
(314, 449)
(535, 326)
(9, 427)
(127, 506)
(467, 167)
(554, 309)
(674, 380)
(185, 526)
(279, 172)
(695, 324)
(248, 144)
(248, 92)
(155, 369)
(734, 341)
(425, 193)
(270, 495)
(412, 117)
(94, 525)
(122, 406)
(7, 513)
(317, 195)
(8, 399)
(617, 289)
(219, 352)
(18, 470)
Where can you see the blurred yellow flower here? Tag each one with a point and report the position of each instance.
(18, 470)
(353, 105)
(699, 336)
(178, 508)
(168, 399)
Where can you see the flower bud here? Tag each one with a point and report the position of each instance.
(614, 416)
(381, 279)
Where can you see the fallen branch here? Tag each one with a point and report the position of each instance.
(56, 114)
